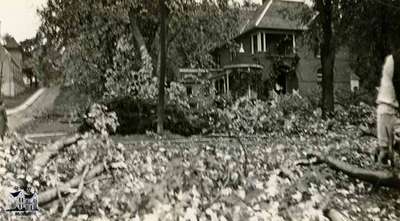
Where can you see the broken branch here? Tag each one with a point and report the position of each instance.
(335, 215)
(381, 177)
(41, 159)
(51, 194)
(77, 194)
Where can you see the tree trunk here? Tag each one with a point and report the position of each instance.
(327, 56)
(144, 54)
(328, 62)
(161, 85)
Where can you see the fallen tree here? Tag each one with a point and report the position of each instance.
(378, 177)
(41, 159)
(52, 194)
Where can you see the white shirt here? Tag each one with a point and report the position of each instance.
(386, 100)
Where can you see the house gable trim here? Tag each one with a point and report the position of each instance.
(264, 12)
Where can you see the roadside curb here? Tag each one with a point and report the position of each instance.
(26, 103)
(30, 137)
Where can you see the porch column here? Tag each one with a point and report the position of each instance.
(227, 82)
(224, 84)
(294, 43)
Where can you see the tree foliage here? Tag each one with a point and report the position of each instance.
(366, 30)
(103, 41)
(374, 27)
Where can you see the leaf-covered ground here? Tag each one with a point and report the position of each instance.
(216, 179)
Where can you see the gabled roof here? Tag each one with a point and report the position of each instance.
(11, 43)
(274, 15)
(354, 77)
(277, 14)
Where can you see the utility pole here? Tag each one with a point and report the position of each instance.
(161, 84)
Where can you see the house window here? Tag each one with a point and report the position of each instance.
(319, 75)
(189, 90)
(219, 86)
(280, 44)
(218, 60)
(254, 44)
(263, 42)
(317, 48)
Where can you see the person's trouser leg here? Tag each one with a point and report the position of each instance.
(385, 124)
(396, 135)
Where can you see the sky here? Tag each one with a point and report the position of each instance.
(19, 17)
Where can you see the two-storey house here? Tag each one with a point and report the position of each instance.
(272, 43)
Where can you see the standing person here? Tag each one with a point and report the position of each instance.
(3, 119)
(388, 106)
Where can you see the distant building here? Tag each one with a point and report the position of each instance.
(271, 42)
(11, 65)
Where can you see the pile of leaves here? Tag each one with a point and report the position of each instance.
(266, 178)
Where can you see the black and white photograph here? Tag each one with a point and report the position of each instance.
(197, 110)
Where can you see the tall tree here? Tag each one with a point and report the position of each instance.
(375, 26)
(326, 26)
(103, 48)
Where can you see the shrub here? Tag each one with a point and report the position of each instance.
(138, 115)
(100, 120)
(288, 114)
(253, 116)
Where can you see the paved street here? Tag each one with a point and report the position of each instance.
(41, 106)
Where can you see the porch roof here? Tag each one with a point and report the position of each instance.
(235, 66)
